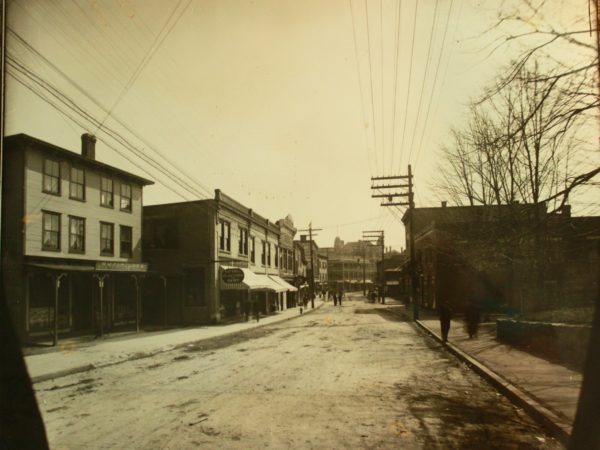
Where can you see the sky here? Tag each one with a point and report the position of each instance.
(289, 107)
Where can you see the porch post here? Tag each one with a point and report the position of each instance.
(57, 279)
(101, 279)
(137, 303)
(164, 280)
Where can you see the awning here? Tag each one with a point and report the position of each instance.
(251, 281)
(99, 266)
(286, 286)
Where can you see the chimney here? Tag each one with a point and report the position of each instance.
(444, 204)
(303, 238)
(566, 210)
(88, 146)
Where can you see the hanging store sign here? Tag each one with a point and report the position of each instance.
(232, 276)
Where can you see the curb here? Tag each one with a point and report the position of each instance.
(88, 367)
(560, 428)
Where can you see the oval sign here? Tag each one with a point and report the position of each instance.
(232, 276)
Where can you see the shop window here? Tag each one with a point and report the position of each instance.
(76, 234)
(263, 254)
(51, 231)
(126, 240)
(77, 184)
(126, 197)
(107, 235)
(276, 256)
(51, 182)
(106, 192)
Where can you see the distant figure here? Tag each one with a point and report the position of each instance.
(340, 295)
(472, 318)
(247, 310)
(256, 311)
(335, 299)
(445, 312)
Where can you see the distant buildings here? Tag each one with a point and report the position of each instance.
(351, 265)
(71, 239)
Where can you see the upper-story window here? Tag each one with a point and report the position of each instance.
(107, 239)
(125, 197)
(252, 249)
(76, 234)
(51, 183)
(225, 235)
(50, 231)
(77, 184)
(269, 254)
(276, 256)
(126, 237)
(263, 254)
(243, 242)
(106, 192)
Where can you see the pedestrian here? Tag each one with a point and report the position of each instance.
(445, 312)
(247, 310)
(256, 311)
(472, 317)
(340, 295)
(335, 299)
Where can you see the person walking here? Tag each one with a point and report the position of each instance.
(445, 313)
(340, 295)
(256, 310)
(472, 317)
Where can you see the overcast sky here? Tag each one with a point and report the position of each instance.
(276, 102)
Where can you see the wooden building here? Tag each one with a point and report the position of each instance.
(71, 239)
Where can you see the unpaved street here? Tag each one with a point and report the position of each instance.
(349, 377)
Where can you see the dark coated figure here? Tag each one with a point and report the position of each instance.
(472, 317)
(445, 312)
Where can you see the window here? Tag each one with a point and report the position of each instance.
(268, 253)
(51, 231)
(253, 250)
(243, 242)
(125, 197)
(276, 256)
(263, 255)
(126, 235)
(107, 238)
(51, 182)
(106, 192)
(225, 236)
(77, 184)
(76, 234)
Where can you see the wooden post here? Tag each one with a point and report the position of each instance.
(57, 279)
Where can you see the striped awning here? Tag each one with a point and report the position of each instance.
(284, 284)
(253, 281)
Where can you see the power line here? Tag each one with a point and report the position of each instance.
(371, 82)
(427, 59)
(151, 52)
(362, 101)
(435, 78)
(412, 48)
(397, 48)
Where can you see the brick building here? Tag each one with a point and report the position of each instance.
(219, 257)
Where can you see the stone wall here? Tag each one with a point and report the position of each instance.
(563, 343)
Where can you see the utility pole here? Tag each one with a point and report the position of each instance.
(379, 237)
(402, 182)
(312, 265)
(363, 268)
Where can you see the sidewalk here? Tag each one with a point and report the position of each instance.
(73, 357)
(549, 391)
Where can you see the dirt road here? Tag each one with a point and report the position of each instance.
(342, 377)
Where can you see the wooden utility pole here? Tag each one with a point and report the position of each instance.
(311, 230)
(402, 182)
(379, 237)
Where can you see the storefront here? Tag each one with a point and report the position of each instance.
(68, 298)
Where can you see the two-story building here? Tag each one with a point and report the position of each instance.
(220, 258)
(71, 239)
